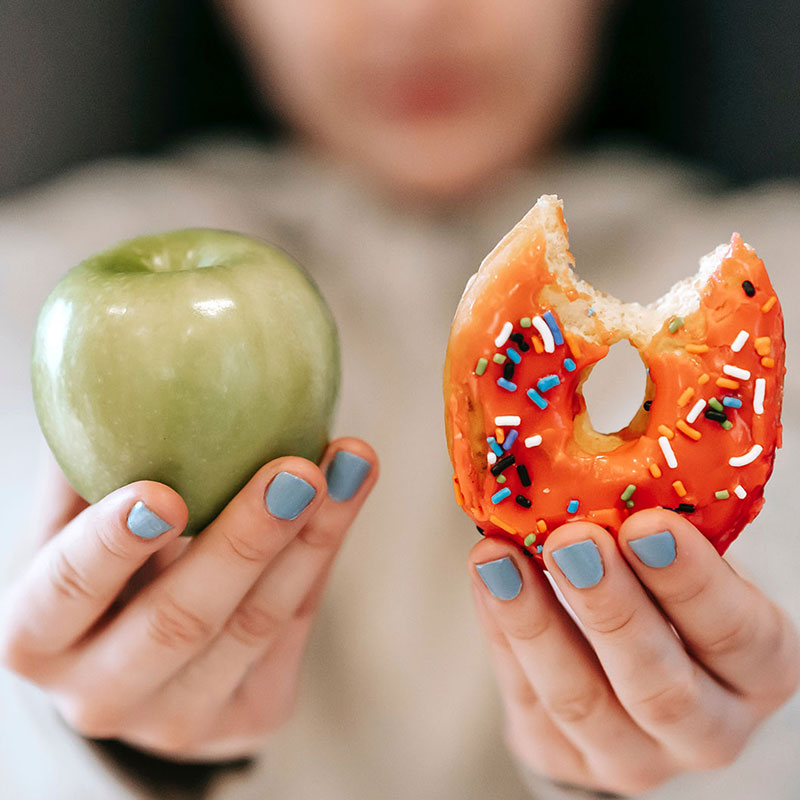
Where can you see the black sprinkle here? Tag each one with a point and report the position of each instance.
(685, 508)
(523, 501)
(524, 346)
(749, 289)
(524, 478)
(647, 404)
(717, 416)
(517, 337)
(480, 530)
(504, 463)
(508, 371)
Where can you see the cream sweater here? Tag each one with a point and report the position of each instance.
(397, 698)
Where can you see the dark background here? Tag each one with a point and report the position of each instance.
(717, 81)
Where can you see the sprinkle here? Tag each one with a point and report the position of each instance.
(664, 430)
(513, 355)
(500, 524)
(502, 337)
(524, 478)
(590, 312)
(749, 289)
(496, 449)
(629, 490)
(655, 470)
(529, 539)
(736, 372)
(507, 385)
(703, 378)
(523, 501)
(762, 345)
(716, 416)
(533, 441)
(722, 495)
(499, 358)
(748, 458)
(727, 425)
(498, 497)
(536, 398)
(541, 525)
(569, 365)
(666, 449)
(553, 325)
(573, 345)
(768, 305)
(491, 457)
(740, 492)
(686, 396)
(545, 333)
(732, 402)
(675, 324)
(547, 383)
(510, 439)
(507, 421)
(572, 506)
(715, 404)
(647, 404)
(727, 383)
(697, 348)
(480, 367)
(696, 409)
(537, 344)
(767, 362)
(457, 490)
(758, 395)
(480, 530)
(630, 503)
(501, 478)
(685, 508)
(504, 463)
(499, 435)
(508, 371)
(520, 340)
(738, 342)
(525, 322)
(679, 488)
(538, 548)
(688, 430)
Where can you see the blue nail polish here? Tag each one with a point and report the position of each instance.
(144, 523)
(288, 495)
(655, 550)
(501, 578)
(345, 474)
(580, 563)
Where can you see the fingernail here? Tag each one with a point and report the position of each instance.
(501, 578)
(655, 550)
(144, 523)
(345, 474)
(288, 495)
(580, 563)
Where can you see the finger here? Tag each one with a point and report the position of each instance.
(727, 623)
(74, 578)
(558, 661)
(57, 502)
(661, 687)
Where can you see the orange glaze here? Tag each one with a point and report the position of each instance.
(560, 469)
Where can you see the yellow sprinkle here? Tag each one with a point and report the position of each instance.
(703, 378)
(727, 383)
(679, 489)
(696, 348)
(665, 431)
(457, 490)
(541, 526)
(768, 362)
(573, 345)
(500, 435)
(537, 344)
(688, 394)
(768, 305)
(655, 470)
(500, 524)
(762, 345)
(691, 432)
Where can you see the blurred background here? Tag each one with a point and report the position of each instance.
(715, 81)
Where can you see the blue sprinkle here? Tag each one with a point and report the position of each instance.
(590, 312)
(572, 507)
(510, 439)
(501, 495)
(507, 385)
(537, 398)
(732, 402)
(553, 325)
(569, 365)
(538, 548)
(514, 355)
(496, 449)
(547, 383)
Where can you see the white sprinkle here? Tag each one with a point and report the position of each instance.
(533, 441)
(758, 396)
(504, 334)
(666, 449)
(740, 492)
(491, 457)
(546, 334)
(501, 421)
(695, 412)
(736, 372)
(738, 342)
(748, 458)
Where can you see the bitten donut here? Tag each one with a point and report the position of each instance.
(525, 337)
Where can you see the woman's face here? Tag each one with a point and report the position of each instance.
(431, 98)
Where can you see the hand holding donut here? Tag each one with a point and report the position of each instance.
(634, 705)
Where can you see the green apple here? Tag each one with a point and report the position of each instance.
(190, 358)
